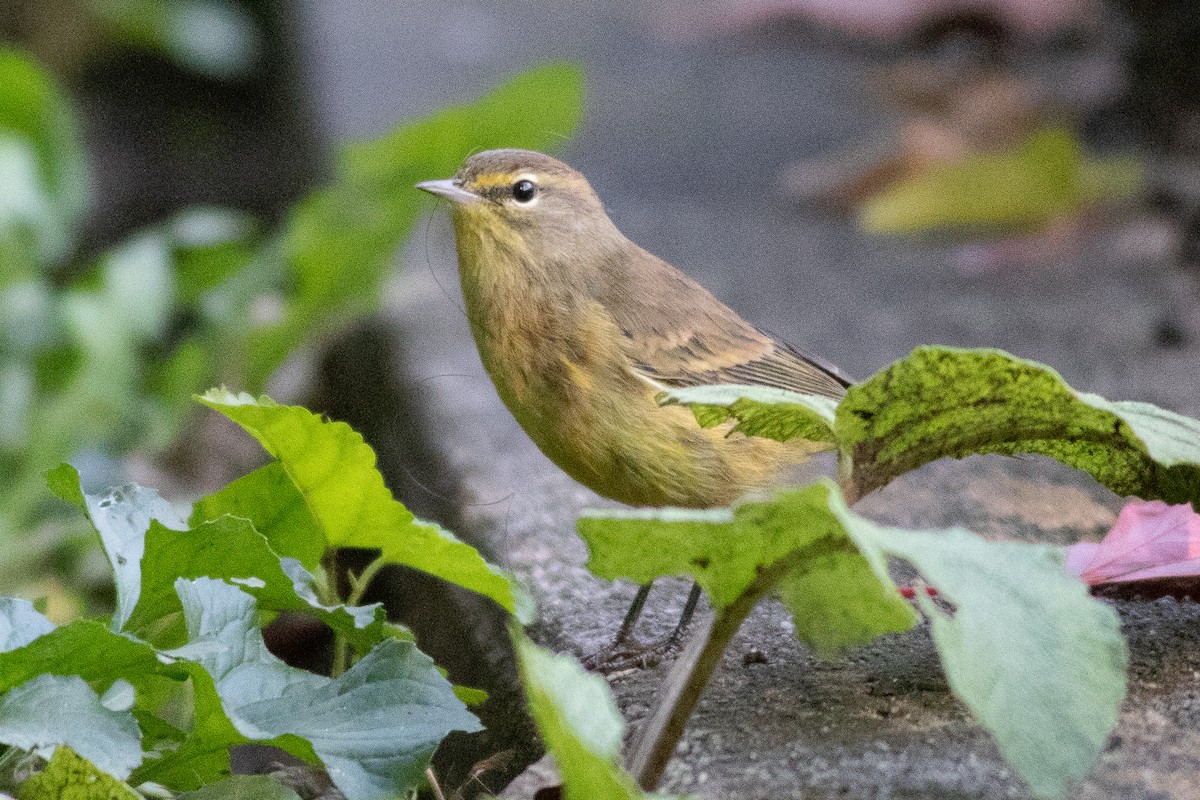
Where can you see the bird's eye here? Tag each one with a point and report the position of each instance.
(524, 190)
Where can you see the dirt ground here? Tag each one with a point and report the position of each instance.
(685, 143)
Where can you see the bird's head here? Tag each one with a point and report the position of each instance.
(526, 201)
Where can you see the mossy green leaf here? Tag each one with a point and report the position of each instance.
(839, 597)
(763, 411)
(1038, 660)
(69, 776)
(334, 470)
(942, 401)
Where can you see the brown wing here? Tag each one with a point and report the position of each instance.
(678, 334)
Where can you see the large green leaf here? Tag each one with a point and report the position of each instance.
(85, 648)
(375, 727)
(49, 711)
(148, 556)
(268, 498)
(1039, 661)
(122, 518)
(578, 719)
(339, 241)
(944, 401)
(334, 470)
(838, 595)
(231, 549)
(947, 402)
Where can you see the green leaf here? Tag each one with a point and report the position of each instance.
(1038, 661)
(63, 480)
(760, 411)
(31, 230)
(36, 110)
(198, 753)
(49, 711)
(268, 498)
(243, 787)
(85, 648)
(122, 519)
(578, 718)
(340, 240)
(375, 728)
(942, 401)
(838, 597)
(70, 777)
(209, 245)
(20, 623)
(229, 548)
(334, 470)
(948, 402)
(1045, 177)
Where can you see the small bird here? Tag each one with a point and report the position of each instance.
(580, 330)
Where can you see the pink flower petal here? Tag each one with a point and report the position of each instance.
(1150, 540)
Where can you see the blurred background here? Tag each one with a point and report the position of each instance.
(178, 208)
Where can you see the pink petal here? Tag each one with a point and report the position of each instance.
(1150, 540)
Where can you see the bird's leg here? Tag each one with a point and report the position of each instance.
(689, 608)
(632, 615)
(625, 654)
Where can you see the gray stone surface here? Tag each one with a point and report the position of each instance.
(685, 141)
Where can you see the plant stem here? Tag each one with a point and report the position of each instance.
(433, 784)
(358, 587)
(656, 742)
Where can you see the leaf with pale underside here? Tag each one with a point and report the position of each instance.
(374, 728)
(49, 711)
(1039, 662)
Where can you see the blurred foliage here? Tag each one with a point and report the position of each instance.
(1045, 177)
(99, 358)
(217, 38)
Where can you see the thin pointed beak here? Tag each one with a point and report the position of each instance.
(449, 189)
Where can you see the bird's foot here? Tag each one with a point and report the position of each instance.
(630, 654)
